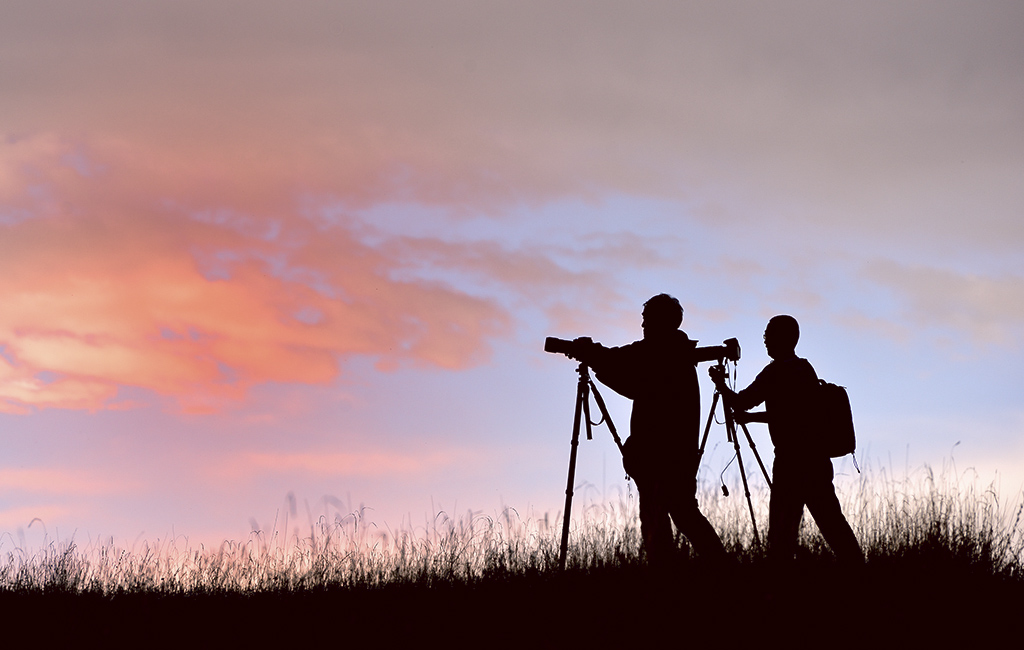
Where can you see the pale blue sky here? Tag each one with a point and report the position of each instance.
(317, 252)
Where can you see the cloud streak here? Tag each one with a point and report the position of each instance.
(989, 309)
(371, 464)
(59, 481)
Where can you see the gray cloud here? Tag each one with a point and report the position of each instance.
(873, 116)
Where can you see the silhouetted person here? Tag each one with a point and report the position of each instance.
(802, 472)
(659, 373)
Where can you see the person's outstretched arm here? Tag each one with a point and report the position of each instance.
(744, 400)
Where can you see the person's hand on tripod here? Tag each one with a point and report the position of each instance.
(746, 417)
(717, 374)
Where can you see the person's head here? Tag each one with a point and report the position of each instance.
(781, 336)
(662, 314)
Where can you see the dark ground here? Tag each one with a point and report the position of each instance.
(894, 605)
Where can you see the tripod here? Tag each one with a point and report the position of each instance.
(730, 432)
(584, 387)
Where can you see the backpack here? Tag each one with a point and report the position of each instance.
(836, 419)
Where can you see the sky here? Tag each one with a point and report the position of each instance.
(265, 262)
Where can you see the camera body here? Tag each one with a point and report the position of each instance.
(731, 349)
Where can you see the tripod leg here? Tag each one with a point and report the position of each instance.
(707, 429)
(605, 417)
(586, 408)
(731, 425)
(753, 448)
(581, 397)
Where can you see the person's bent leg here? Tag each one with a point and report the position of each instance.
(699, 531)
(828, 515)
(685, 509)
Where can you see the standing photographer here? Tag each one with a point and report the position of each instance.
(659, 373)
(802, 472)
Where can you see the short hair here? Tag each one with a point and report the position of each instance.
(664, 311)
(785, 330)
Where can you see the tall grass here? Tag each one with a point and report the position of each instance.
(926, 519)
(921, 519)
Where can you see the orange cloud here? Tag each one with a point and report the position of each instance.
(107, 280)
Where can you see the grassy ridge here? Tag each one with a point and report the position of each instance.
(946, 561)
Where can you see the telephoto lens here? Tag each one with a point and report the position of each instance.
(561, 346)
(556, 345)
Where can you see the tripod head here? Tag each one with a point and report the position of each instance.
(720, 371)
